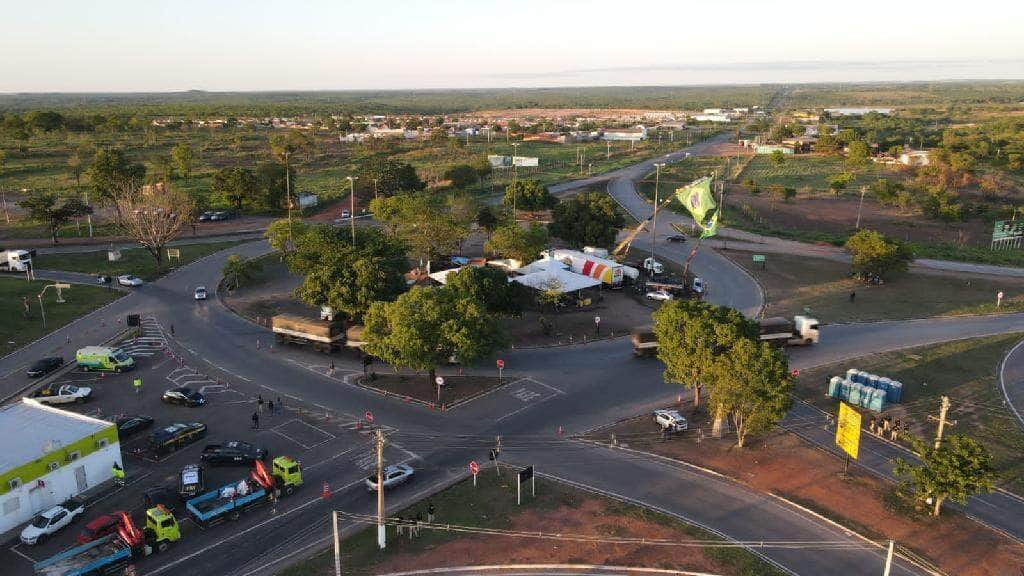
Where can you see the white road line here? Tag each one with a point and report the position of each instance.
(1002, 382)
(226, 370)
(329, 458)
(26, 557)
(545, 385)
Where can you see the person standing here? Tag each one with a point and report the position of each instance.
(270, 407)
(259, 403)
(280, 405)
(255, 420)
(137, 383)
(430, 512)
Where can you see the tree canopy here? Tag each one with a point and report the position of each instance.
(751, 383)
(514, 241)
(45, 207)
(236, 185)
(391, 177)
(111, 171)
(487, 285)
(588, 219)
(959, 468)
(431, 224)
(876, 257)
(529, 195)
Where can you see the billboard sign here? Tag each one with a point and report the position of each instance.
(1007, 234)
(848, 430)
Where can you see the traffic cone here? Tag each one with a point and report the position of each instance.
(326, 492)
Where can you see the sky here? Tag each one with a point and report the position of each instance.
(229, 45)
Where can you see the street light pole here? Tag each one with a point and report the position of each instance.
(58, 286)
(352, 206)
(515, 192)
(860, 206)
(654, 218)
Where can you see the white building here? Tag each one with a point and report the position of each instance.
(713, 118)
(915, 158)
(48, 456)
(857, 111)
(635, 134)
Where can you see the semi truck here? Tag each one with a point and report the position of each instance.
(16, 260)
(112, 553)
(800, 331)
(322, 335)
(260, 486)
(607, 271)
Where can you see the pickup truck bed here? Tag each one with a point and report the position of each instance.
(210, 506)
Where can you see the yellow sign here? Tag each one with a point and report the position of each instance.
(848, 429)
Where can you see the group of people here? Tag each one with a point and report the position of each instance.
(272, 409)
(888, 428)
(411, 525)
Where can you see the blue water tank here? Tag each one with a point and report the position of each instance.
(871, 380)
(884, 384)
(835, 384)
(895, 392)
(852, 374)
(865, 395)
(844, 390)
(877, 401)
(856, 390)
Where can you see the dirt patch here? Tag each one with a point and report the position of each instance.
(419, 387)
(783, 464)
(619, 311)
(269, 294)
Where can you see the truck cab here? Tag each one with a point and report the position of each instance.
(806, 329)
(161, 528)
(653, 267)
(287, 473)
(104, 358)
(16, 260)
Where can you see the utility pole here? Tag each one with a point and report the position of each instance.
(381, 535)
(337, 545)
(497, 451)
(888, 559)
(943, 409)
(654, 217)
(88, 217)
(515, 192)
(352, 206)
(607, 149)
(7, 215)
(860, 206)
(375, 188)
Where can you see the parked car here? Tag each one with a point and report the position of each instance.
(234, 452)
(99, 527)
(62, 394)
(176, 436)
(184, 396)
(346, 214)
(160, 496)
(44, 366)
(132, 424)
(676, 238)
(200, 293)
(393, 476)
(129, 280)
(49, 522)
(660, 295)
(670, 420)
(206, 216)
(104, 279)
(698, 286)
(191, 481)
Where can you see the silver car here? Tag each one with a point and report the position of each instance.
(393, 476)
(129, 280)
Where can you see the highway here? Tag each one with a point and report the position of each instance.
(574, 387)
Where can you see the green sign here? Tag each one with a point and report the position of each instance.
(1004, 230)
(758, 257)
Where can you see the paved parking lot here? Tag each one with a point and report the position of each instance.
(332, 447)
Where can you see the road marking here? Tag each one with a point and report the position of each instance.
(225, 370)
(513, 413)
(525, 395)
(328, 459)
(545, 385)
(282, 434)
(1002, 382)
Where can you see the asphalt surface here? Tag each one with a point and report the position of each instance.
(1011, 380)
(575, 387)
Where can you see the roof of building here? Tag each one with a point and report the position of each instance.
(558, 279)
(32, 429)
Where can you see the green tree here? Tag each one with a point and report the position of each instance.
(839, 182)
(345, 277)
(693, 336)
(281, 234)
(875, 256)
(164, 168)
(426, 327)
(857, 153)
(391, 177)
(239, 271)
(112, 172)
(588, 219)
(182, 156)
(959, 468)
(44, 207)
(514, 241)
(272, 181)
(489, 286)
(483, 167)
(487, 219)
(236, 185)
(751, 383)
(529, 195)
(75, 164)
(777, 157)
(461, 175)
(430, 225)
(886, 191)
(45, 120)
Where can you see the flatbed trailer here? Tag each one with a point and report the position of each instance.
(210, 508)
(107, 555)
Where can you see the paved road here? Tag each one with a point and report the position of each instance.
(1011, 380)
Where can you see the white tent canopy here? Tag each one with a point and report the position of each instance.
(543, 264)
(556, 278)
(442, 276)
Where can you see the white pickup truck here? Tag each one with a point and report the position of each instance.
(64, 394)
(48, 522)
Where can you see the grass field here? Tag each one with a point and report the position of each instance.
(18, 330)
(795, 282)
(967, 371)
(556, 508)
(810, 172)
(135, 261)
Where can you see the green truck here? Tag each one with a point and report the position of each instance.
(104, 358)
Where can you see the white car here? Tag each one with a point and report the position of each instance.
(670, 420)
(660, 295)
(698, 286)
(129, 280)
(50, 521)
(346, 214)
(200, 293)
(393, 476)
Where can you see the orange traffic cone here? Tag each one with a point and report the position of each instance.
(326, 493)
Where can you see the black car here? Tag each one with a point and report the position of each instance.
(45, 366)
(176, 436)
(160, 496)
(234, 452)
(129, 425)
(206, 216)
(676, 238)
(184, 396)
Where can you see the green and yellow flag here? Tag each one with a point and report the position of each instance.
(699, 201)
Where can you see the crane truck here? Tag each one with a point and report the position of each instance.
(260, 486)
